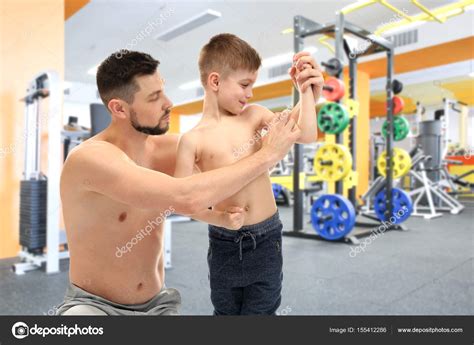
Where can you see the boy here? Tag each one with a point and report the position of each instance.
(245, 266)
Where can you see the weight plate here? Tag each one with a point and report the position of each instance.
(401, 163)
(401, 128)
(333, 118)
(332, 162)
(402, 206)
(332, 216)
(338, 90)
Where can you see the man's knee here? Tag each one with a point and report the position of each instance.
(83, 310)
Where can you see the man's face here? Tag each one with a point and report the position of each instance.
(150, 110)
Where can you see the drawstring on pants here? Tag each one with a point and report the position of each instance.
(241, 237)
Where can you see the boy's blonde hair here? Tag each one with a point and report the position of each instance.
(225, 53)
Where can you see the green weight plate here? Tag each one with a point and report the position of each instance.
(401, 128)
(333, 118)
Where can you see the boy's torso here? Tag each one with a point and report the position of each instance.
(225, 142)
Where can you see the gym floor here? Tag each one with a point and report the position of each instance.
(427, 270)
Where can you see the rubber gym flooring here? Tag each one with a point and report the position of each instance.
(427, 270)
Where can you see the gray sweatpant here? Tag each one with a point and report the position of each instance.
(80, 302)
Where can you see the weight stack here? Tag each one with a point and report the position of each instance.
(33, 209)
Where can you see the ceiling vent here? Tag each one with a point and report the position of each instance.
(279, 70)
(404, 38)
(188, 25)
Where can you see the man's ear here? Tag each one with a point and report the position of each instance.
(213, 81)
(117, 108)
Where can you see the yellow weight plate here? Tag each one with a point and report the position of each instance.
(401, 163)
(332, 162)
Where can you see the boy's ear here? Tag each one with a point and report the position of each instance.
(213, 81)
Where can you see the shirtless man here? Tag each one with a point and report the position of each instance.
(119, 183)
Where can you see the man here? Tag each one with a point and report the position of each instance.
(118, 183)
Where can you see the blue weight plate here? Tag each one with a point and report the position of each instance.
(402, 206)
(332, 216)
(277, 188)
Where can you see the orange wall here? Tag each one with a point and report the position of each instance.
(73, 6)
(174, 123)
(432, 56)
(32, 40)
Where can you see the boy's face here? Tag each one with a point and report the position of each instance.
(235, 90)
(150, 110)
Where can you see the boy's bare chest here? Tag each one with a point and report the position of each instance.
(227, 143)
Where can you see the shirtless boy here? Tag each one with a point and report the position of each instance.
(245, 266)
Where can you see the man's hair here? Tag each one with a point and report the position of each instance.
(116, 74)
(225, 53)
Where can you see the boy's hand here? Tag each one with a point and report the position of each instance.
(300, 80)
(305, 72)
(233, 218)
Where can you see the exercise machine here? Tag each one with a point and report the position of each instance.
(39, 194)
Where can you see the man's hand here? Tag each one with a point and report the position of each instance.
(233, 218)
(282, 134)
(305, 72)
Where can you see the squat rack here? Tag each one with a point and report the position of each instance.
(303, 28)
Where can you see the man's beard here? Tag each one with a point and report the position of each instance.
(157, 130)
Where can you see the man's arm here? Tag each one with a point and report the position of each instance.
(185, 164)
(119, 178)
(163, 156)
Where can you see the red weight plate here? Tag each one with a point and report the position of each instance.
(338, 89)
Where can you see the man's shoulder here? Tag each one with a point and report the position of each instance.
(97, 146)
(94, 150)
(88, 154)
